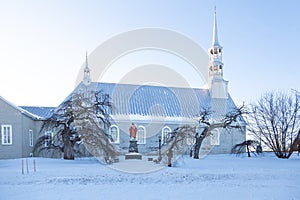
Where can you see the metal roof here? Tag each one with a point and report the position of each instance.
(153, 101)
(21, 110)
(41, 112)
(146, 100)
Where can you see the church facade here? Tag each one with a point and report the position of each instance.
(155, 110)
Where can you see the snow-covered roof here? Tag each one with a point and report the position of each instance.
(145, 101)
(26, 112)
(40, 112)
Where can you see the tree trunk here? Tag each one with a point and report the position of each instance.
(197, 147)
(170, 155)
(68, 152)
(198, 143)
(68, 147)
(248, 151)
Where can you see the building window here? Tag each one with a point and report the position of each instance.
(216, 67)
(190, 140)
(48, 138)
(165, 135)
(6, 131)
(114, 134)
(215, 137)
(30, 134)
(141, 135)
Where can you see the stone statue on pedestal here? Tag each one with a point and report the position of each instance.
(133, 142)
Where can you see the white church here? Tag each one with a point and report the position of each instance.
(156, 111)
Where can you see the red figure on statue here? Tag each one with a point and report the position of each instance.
(132, 131)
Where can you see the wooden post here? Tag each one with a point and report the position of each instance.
(22, 167)
(159, 149)
(34, 166)
(27, 169)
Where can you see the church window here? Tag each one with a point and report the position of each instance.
(141, 135)
(165, 135)
(30, 136)
(48, 138)
(215, 137)
(190, 140)
(114, 134)
(6, 131)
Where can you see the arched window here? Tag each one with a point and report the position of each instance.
(190, 140)
(215, 137)
(30, 135)
(165, 134)
(141, 135)
(216, 67)
(215, 51)
(48, 138)
(114, 134)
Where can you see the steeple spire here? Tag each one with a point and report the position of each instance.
(215, 41)
(86, 76)
(215, 54)
(217, 85)
(86, 60)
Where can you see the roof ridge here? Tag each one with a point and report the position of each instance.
(23, 111)
(139, 85)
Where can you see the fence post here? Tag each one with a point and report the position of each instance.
(22, 167)
(34, 166)
(27, 169)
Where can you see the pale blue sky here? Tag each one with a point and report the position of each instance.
(43, 43)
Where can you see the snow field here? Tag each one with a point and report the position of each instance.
(214, 177)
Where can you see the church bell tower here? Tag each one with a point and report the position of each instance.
(217, 85)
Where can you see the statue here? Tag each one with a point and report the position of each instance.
(133, 142)
(133, 131)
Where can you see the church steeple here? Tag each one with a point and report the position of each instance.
(217, 85)
(215, 41)
(215, 54)
(86, 76)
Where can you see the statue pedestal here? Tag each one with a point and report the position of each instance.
(133, 148)
(133, 151)
(136, 156)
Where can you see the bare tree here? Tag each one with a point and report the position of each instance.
(245, 146)
(275, 120)
(226, 122)
(83, 119)
(176, 143)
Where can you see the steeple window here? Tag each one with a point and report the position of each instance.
(216, 67)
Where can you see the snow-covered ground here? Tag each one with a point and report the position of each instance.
(213, 177)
